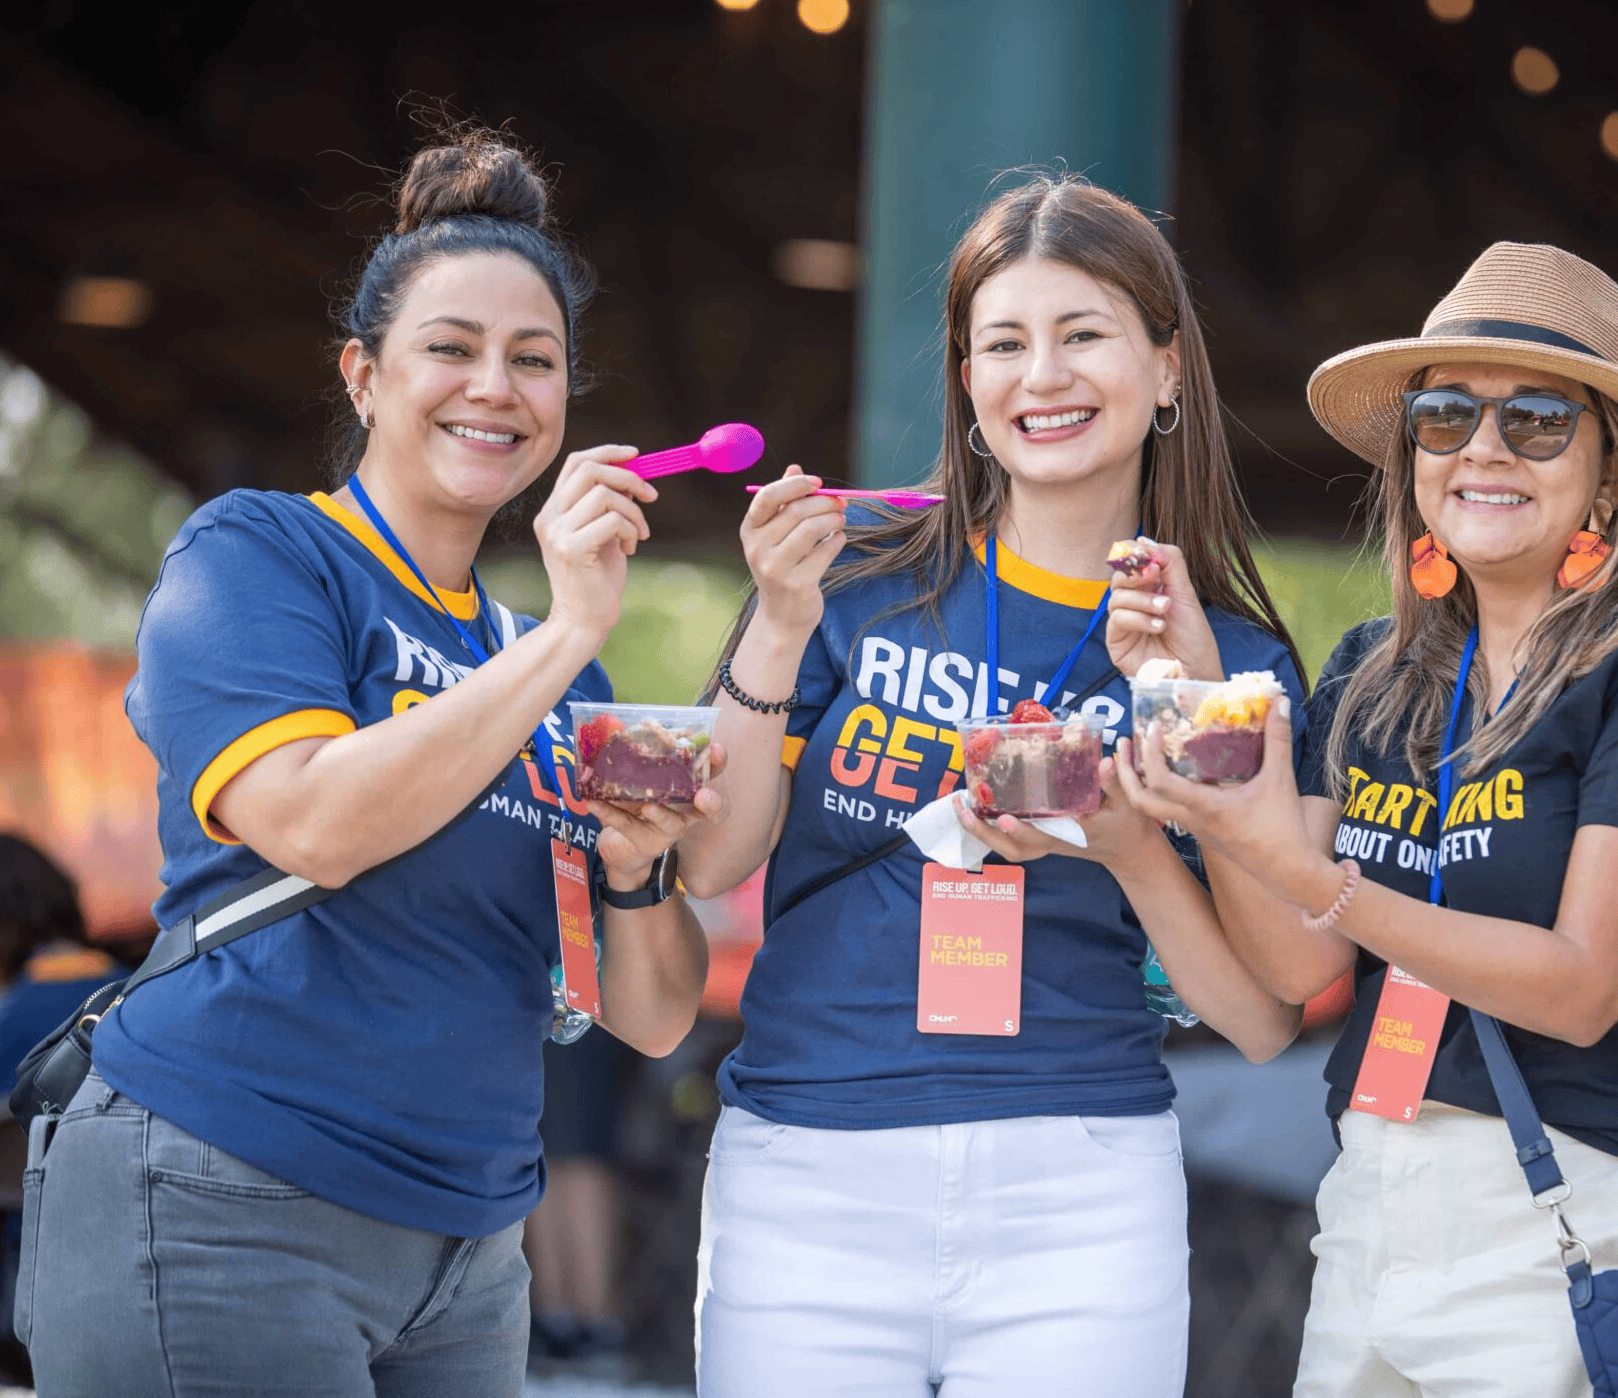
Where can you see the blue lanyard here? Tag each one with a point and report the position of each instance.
(1446, 768)
(542, 739)
(1054, 688)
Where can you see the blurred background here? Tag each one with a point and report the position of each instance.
(768, 189)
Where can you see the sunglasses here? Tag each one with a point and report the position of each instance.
(1536, 425)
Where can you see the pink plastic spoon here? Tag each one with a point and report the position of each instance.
(904, 499)
(732, 446)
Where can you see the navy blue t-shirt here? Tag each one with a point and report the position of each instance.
(1503, 848)
(381, 1048)
(830, 1003)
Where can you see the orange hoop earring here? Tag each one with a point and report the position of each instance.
(1431, 572)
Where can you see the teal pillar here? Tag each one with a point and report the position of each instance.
(958, 91)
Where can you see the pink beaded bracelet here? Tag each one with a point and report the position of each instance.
(1351, 881)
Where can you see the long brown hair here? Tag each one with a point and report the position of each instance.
(1189, 496)
(1408, 675)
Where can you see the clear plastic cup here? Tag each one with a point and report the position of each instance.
(1032, 769)
(1213, 732)
(635, 753)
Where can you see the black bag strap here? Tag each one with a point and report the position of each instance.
(255, 902)
(56, 1066)
(871, 856)
(1534, 1151)
(1536, 1156)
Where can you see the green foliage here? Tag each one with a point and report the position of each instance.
(83, 522)
(1321, 590)
(676, 614)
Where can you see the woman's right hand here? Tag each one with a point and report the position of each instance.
(1156, 614)
(1259, 824)
(790, 537)
(587, 529)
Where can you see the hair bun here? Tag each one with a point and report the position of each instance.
(478, 172)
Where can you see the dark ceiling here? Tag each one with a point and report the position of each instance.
(1337, 171)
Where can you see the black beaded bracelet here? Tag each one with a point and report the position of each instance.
(758, 706)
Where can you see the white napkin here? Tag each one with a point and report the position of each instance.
(937, 830)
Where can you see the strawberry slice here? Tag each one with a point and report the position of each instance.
(984, 796)
(593, 736)
(979, 746)
(1030, 711)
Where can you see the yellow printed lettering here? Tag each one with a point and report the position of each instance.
(1466, 806)
(1365, 802)
(865, 713)
(1393, 809)
(1508, 795)
(1355, 777)
(905, 729)
(1425, 801)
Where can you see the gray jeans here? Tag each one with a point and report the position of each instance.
(155, 1266)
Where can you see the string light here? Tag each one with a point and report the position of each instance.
(117, 303)
(817, 264)
(1450, 11)
(823, 16)
(1609, 135)
(1534, 71)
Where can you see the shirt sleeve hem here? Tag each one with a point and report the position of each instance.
(252, 745)
(791, 750)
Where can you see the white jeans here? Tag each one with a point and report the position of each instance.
(1037, 1257)
(1436, 1276)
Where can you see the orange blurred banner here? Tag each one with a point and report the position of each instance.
(76, 780)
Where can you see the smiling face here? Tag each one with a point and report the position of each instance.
(1501, 515)
(468, 392)
(1062, 375)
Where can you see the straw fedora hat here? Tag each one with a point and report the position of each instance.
(1524, 304)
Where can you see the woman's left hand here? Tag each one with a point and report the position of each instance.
(1156, 614)
(632, 837)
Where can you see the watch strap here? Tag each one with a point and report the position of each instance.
(648, 897)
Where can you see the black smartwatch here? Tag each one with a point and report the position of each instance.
(659, 885)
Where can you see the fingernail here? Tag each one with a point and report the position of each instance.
(1157, 623)
(1160, 604)
(1285, 706)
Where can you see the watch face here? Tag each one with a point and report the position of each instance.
(664, 872)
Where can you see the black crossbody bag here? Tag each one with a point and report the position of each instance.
(56, 1066)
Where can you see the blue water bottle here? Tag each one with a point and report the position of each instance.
(1160, 994)
(568, 1024)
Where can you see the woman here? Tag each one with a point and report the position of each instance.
(886, 1208)
(304, 1160)
(1494, 435)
